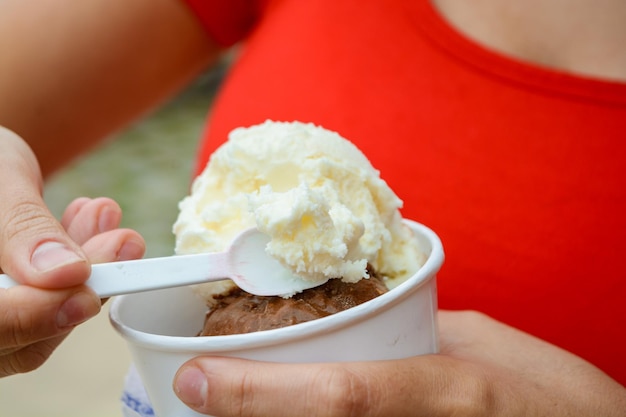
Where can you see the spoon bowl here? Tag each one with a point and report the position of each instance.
(245, 262)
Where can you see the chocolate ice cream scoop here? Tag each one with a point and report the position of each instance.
(241, 312)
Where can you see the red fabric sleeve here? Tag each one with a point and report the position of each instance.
(227, 22)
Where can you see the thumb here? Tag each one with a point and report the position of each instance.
(234, 387)
(34, 248)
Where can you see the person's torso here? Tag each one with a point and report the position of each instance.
(518, 168)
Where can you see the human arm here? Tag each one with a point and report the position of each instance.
(70, 75)
(485, 368)
(72, 72)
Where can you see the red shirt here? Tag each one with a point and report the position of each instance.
(519, 169)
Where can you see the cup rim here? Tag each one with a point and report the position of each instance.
(307, 329)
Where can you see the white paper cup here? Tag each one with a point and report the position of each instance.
(160, 329)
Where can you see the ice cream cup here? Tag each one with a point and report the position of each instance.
(160, 329)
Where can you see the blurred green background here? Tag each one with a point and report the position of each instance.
(147, 170)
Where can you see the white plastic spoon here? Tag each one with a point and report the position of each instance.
(245, 262)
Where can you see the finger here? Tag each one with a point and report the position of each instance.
(85, 219)
(31, 315)
(30, 357)
(115, 245)
(236, 387)
(34, 247)
(72, 209)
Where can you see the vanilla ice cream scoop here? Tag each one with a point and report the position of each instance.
(326, 209)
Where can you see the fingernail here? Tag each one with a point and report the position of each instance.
(129, 250)
(191, 386)
(51, 255)
(80, 307)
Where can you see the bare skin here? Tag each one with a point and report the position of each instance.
(35, 320)
(581, 36)
(91, 68)
(94, 66)
(476, 374)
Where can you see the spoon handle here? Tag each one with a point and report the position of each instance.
(124, 277)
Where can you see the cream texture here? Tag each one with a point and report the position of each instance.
(325, 207)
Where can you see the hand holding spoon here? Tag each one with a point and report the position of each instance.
(245, 262)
